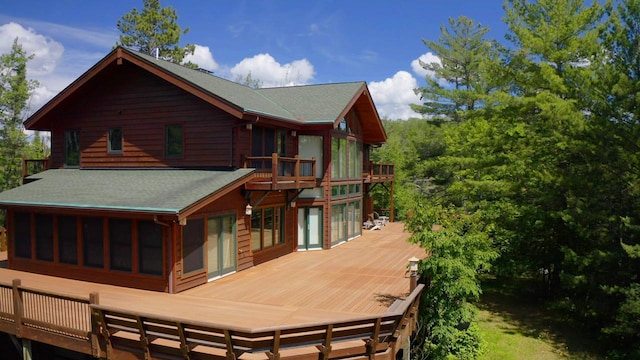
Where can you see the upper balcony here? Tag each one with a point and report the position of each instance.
(33, 166)
(378, 173)
(277, 172)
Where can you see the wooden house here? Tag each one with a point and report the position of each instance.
(163, 177)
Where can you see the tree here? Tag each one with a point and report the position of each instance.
(467, 59)
(155, 28)
(14, 94)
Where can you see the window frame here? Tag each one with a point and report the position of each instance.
(167, 140)
(110, 140)
(67, 145)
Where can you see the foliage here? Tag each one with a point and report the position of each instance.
(458, 248)
(462, 76)
(14, 93)
(154, 28)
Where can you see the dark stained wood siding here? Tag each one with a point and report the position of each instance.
(142, 104)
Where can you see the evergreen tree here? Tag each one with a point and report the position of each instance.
(14, 94)
(152, 29)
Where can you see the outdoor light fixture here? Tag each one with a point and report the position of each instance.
(249, 126)
(293, 133)
(413, 265)
(248, 209)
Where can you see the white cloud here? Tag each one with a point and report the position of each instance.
(392, 96)
(269, 72)
(203, 58)
(427, 58)
(47, 52)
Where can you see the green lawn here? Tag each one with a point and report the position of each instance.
(515, 327)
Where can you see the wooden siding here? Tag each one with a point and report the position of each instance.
(142, 104)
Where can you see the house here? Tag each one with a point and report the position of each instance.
(163, 178)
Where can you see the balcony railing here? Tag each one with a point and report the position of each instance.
(84, 326)
(277, 172)
(33, 166)
(378, 173)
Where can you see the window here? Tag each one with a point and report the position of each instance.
(72, 148)
(22, 234)
(311, 147)
(174, 141)
(44, 237)
(193, 246)
(151, 248)
(68, 239)
(114, 141)
(338, 224)
(93, 241)
(120, 246)
(266, 228)
(338, 158)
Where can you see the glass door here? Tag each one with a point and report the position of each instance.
(309, 228)
(221, 246)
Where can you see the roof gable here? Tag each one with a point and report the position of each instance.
(323, 104)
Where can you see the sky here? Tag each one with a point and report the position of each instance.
(280, 42)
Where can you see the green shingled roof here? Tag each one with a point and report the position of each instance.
(154, 191)
(305, 104)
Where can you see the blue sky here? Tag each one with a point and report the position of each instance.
(282, 43)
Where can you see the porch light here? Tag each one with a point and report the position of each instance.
(413, 265)
(249, 126)
(293, 204)
(248, 209)
(293, 133)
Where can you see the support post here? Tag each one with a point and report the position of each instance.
(18, 306)
(94, 298)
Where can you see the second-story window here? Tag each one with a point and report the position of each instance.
(72, 148)
(174, 141)
(114, 141)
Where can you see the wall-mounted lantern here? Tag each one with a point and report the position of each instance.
(248, 210)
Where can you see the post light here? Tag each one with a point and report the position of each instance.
(413, 269)
(248, 209)
(413, 265)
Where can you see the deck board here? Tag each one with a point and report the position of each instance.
(361, 277)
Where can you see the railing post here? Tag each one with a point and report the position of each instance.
(18, 306)
(313, 168)
(274, 171)
(296, 171)
(94, 299)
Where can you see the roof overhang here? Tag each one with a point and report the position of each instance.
(173, 194)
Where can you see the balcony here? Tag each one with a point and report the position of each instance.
(378, 173)
(277, 172)
(33, 166)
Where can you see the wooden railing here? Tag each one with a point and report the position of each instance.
(47, 317)
(85, 326)
(283, 172)
(378, 172)
(33, 166)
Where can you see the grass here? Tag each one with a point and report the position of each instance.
(514, 325)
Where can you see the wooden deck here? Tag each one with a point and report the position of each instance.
(356, 280)
(360, 277)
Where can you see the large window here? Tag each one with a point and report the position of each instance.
(193, 246)
(150, 248)
(267, 228)
(174, 141)
(114, 141)
(120, 245)
(68, 239)
(338, 158)
(312, 147)
(22, 234)
(93, 241)
(44, 237)
(72, 148)
(338, 224)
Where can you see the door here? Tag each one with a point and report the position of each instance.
(221, 246)
(309, 228)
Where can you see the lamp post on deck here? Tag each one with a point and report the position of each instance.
(413, 271)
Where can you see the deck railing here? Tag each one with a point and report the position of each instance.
(378, 172)
(51, 318)
(279, 169)
(85, 326)
(33, 166)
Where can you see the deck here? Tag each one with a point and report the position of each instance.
(360, 278)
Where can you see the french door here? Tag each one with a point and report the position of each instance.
(309, 228)
(221, 245)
